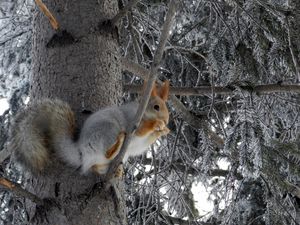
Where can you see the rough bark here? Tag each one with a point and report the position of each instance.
(79, 64)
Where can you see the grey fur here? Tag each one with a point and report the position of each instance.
(38, 129)
(101, 129)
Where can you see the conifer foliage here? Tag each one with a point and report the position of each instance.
(243, 146)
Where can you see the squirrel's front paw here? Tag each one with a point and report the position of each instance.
(165, 131)
(159, 125)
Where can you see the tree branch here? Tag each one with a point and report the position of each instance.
(18, 190)
(206, 90)
(293, 189)
(151, 77)
(184, 168)
(47, 13)
(176, 220)
(187, 50)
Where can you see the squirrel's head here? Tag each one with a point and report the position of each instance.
(157, 107)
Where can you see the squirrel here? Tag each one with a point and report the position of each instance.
(47, 127)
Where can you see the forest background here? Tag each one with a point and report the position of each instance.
(235, 122)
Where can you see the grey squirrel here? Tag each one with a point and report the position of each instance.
(47, 128)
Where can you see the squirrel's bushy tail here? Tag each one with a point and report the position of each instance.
(44, 129)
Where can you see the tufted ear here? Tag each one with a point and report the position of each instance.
(154, 90)
(164, 90)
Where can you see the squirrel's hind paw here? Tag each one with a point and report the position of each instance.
(119, 173)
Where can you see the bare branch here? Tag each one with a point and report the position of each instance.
(151, 77)
(191, 170)
(18, 190)
(206, 90)
(47, 13)
(187, 50)
(136, 47)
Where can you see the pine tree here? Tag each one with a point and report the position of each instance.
(235, 122)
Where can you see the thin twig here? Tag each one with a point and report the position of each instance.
(187, 50)
(190, 28)
(136, 47)
(220, 122)
(212, 105)
(123, 12)
(151, 77)
(18, 190)
(47, 13)
(175, 141)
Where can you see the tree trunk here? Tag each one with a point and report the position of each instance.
(78, 64)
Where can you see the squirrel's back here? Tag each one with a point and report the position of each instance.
(37, 128)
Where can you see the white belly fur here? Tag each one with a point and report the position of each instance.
(137, 146)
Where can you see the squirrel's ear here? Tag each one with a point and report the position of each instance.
(154, 90)
(164, 91)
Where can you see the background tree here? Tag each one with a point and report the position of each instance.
(235, 66)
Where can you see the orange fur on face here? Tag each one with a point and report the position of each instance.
(155, 120)
(146, 126)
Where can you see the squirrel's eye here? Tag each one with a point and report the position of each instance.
(156, 107)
